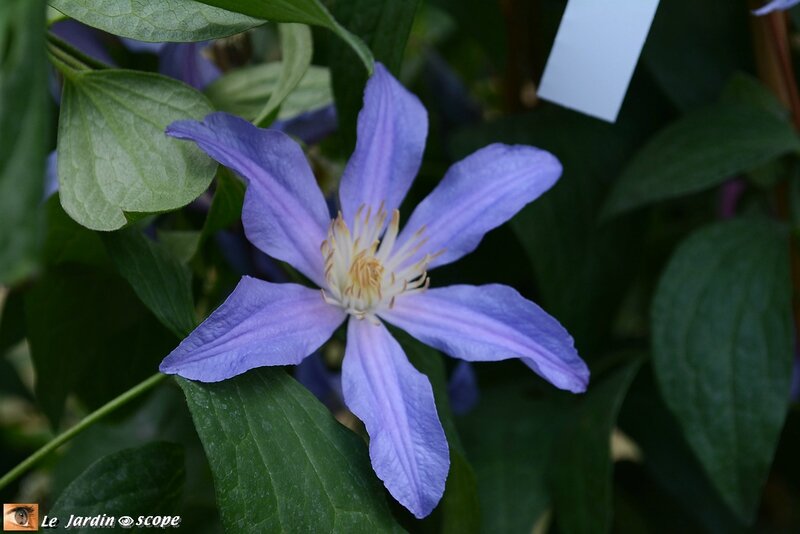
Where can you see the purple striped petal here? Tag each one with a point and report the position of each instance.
(490, 323)
(392, 128)
(775, 5)
(259, 324)
(187, 63)
(407, 445)
(477, 194)
(284, 213)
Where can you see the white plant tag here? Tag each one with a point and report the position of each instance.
(595, 52)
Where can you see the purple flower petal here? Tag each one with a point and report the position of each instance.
(775, 5)
(259, 324)
(477, 194)
(51, 175)
(392, 128)
(284, 213)
(134, 45)
(326, 385)
(463, 388)
(312, 126)
(490, 323)
(407, 445)
(187, 63)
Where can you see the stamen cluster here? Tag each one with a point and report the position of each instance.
(366, 272)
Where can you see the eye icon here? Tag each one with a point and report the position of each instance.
(20, 517)
(125, 521)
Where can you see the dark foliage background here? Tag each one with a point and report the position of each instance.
(668, 250)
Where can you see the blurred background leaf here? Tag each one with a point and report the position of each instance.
(24, 130)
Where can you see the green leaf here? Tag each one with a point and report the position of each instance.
(160, 280)
(90, 335)
(226, 207)
(181, 244)
(536, 448)
(297, 48)
(723, 345)
(581, 477)
(24, 120)
(245, 91)
(302, 11)
(667, 457)
(509, 438)
(144, 481)
(701, 150)
(113, 155)
(68, 242)
(157, 20)
(385, 26)
(280, 461)
(459, 509)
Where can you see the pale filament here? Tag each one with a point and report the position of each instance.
(365, 272)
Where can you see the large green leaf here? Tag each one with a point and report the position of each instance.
(113, 155)
(226, 207)
(157, 20)
(280, 460)
(143, 481)
(582, 467)
(669, 460)
(157, 276)
(385, 26)
(297, 48)
(89, 335)
(303, 11)
(509, 439)
(245, 91)
(723, 344)
(24, 122)
(534, 449)
(700, 150)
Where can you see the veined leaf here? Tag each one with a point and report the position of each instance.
(280, 461)
(245, 91)
(701, 150)
(157, 277)
(157, 20)
(146, 480)
(113, 155)
(723, 345)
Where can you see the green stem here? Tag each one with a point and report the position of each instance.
(65, 64)
(85, 423)
(67, 49)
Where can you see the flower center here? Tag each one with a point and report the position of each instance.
(366, 272)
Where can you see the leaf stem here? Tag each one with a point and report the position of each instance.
(67, 50)
(85, 423)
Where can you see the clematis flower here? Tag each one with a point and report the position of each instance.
(369, 271)
(775, 5)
